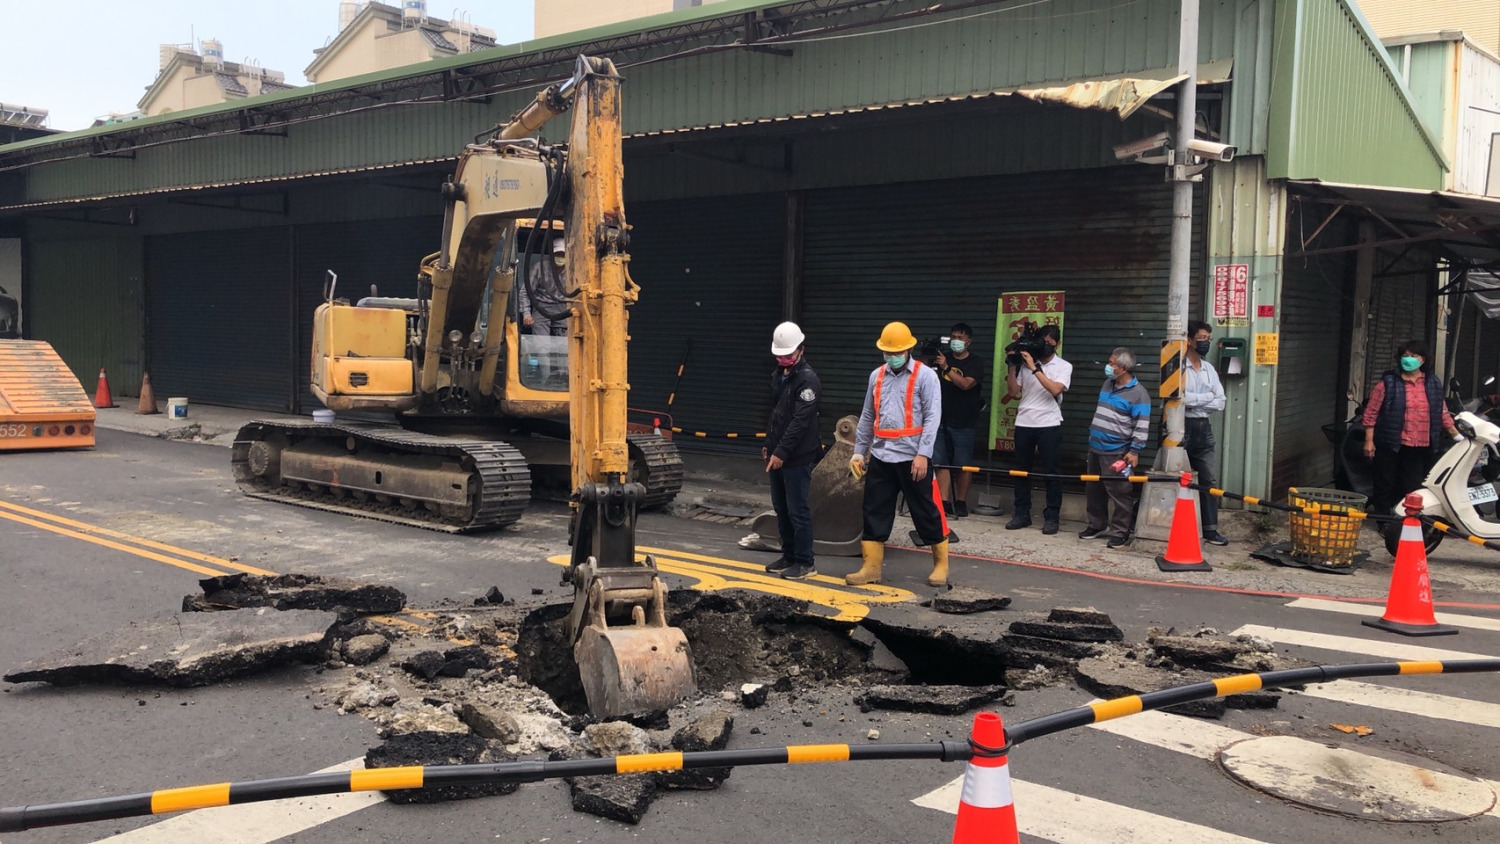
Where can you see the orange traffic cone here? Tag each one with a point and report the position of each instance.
(1408, 606)
(986, 809)
(102, 398)
(1184, 551)
(147, 405)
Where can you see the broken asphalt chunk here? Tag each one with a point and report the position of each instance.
(293, 592)
(709, 731)
(934, 700)
(961, 600)
(193, 649)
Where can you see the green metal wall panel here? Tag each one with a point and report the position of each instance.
(84, 297)
(1315, 298)
(1430, 73)
(1338, 111)
(977, 50)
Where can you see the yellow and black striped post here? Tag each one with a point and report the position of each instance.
(1172, 352)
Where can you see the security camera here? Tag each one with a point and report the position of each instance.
(1142, 146)
(1211, 151)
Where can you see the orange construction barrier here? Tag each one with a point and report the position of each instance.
(1408, 606)
(102, 398)
(147, 405)
(1184, 550)
(986, 809)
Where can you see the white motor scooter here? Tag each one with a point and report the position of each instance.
(1447, 494)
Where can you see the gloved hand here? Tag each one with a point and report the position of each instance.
(857, 466)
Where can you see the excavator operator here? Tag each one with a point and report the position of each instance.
(544, 297)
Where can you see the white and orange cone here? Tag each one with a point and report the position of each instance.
(1408, 604)
(986, 809)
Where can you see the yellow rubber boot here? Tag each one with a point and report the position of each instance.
(939, 564)
(869, 571)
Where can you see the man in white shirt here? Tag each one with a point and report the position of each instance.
(1202, 394)
(1040, 385)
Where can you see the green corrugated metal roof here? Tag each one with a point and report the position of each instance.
(1339, 109)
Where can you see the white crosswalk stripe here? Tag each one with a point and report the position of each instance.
(1476, 622)
(1067, 818)
(1349, 644)
(255, 823)
(1396, 699)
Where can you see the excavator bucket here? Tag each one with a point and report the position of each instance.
(837, 500)
(634, 668)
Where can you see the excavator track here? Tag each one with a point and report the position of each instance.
(663, 468)
(496, 475)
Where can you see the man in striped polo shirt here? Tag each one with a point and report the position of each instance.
(1121, 422)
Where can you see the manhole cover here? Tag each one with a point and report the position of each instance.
(1389, 787)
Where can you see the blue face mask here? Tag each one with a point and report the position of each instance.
(895, 362)
(1109, 370)
(1410, 364)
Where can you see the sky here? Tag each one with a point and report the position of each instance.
(87, 58)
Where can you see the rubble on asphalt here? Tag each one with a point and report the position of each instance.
(496, 681)
(293, 592)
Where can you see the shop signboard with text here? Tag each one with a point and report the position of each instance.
(1016, 311)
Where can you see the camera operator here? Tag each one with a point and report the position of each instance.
(1039, 377)
(961, 372)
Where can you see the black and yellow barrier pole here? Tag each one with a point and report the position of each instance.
(22, 818)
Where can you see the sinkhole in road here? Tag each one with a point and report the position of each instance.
(743, 638)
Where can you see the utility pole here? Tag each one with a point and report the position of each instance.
(1182, 172)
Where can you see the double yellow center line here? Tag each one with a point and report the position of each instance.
(182, 558)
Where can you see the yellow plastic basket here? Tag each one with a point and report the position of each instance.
(1325, 539)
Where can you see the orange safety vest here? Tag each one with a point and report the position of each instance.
(911, 389)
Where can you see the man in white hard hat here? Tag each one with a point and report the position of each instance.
(791, 450)
(543, 299)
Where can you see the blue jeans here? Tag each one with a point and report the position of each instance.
(789, 498)
(1044, 444)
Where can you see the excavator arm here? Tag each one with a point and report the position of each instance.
(629, 659)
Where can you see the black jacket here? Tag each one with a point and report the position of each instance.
(792, 433)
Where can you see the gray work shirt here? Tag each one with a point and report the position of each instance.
(548, 289)
(1202, 393)
(926, 413)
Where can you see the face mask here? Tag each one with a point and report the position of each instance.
(1048, 351)
(1109, 370)
(1411, 364)
(1202, 346)
(895, 362)
(560, 260)
(786, 360)
(957, 345)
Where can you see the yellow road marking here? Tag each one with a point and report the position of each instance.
(182, 564)
(849, 603)
(86, 528)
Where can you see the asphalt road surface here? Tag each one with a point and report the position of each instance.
(92, 541)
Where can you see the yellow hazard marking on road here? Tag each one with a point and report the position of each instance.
(849, 603)
(96, 534)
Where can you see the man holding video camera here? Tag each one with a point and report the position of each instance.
(961, 372)
(1039, 376)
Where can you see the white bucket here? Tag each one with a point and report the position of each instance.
(177, 408)
(323, 417)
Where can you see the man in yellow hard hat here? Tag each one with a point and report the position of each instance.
(897, 430)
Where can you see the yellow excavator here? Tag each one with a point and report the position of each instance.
(450, 355)
(483, 405)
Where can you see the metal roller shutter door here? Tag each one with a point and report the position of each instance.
(935, 253)
(1308, 392)
(710, 276)
(220, 319)
(385, 253)
(85, 299)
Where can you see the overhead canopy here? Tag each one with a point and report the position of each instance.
(1463, 227)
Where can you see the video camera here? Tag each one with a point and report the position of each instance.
(928, 350)
(1030, 341)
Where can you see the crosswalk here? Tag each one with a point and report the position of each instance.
(1083, 815)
